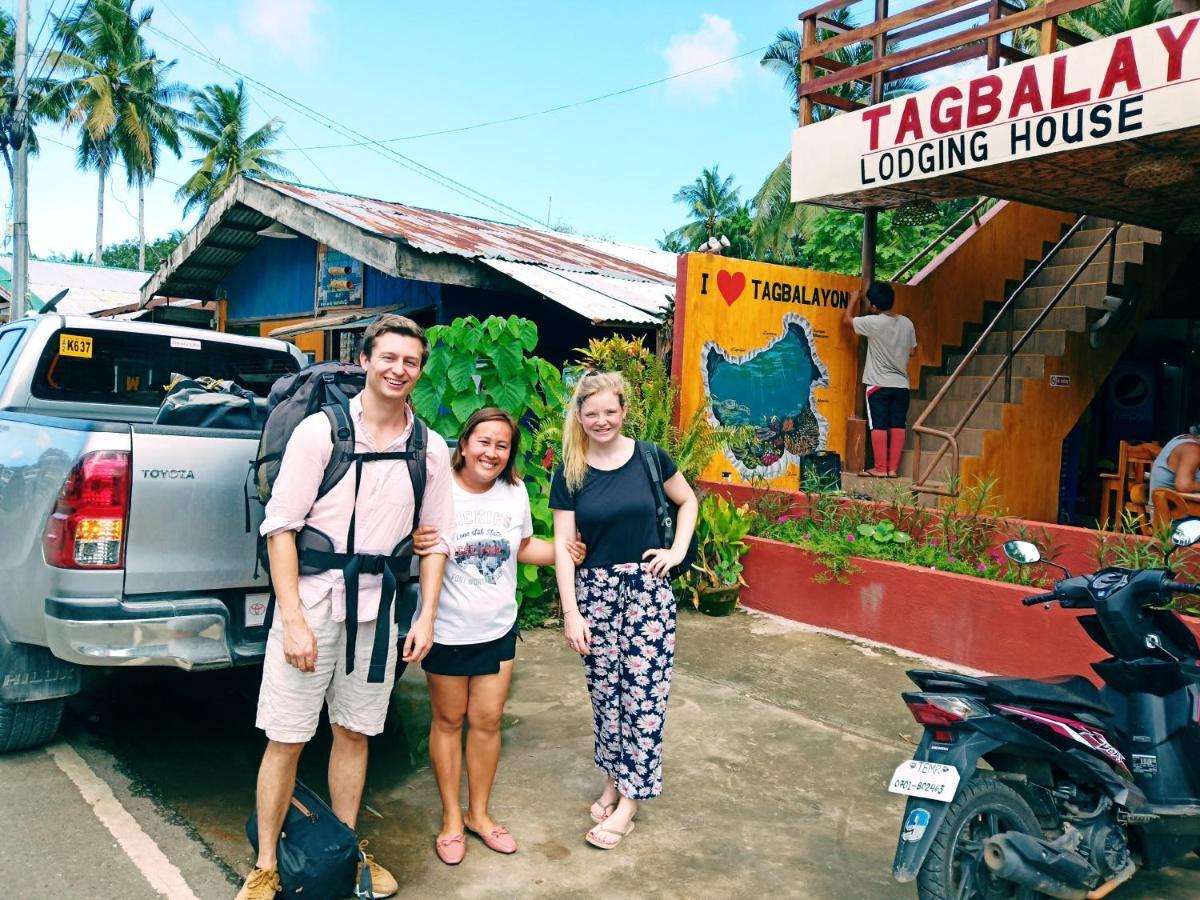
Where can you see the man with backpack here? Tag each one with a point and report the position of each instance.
(336, 558)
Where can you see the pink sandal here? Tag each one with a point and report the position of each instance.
(606, 810)
(452, 849)
(593, 836)
(497, 839)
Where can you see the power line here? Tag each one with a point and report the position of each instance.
(38, 39)
(115, 162)
(552, 109)
(78, 18)
(407, 162)
(253, 99)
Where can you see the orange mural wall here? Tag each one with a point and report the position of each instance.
(764, 344)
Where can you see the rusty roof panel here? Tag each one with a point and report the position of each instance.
(440, 232)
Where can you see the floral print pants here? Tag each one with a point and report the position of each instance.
(631, 616)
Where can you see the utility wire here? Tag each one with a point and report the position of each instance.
(407, 162)
(38, 39)
(552, 109)
(58, 56)
(253, 99)
(115, 162)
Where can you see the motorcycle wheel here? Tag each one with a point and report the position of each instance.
(954, 868)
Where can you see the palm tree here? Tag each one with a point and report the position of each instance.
(779, 223)
(1099, 20)
(712, 203)
(41, 105)
(118, 94)
(217, 126)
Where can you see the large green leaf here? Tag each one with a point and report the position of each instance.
(511, 395)
(509, 361)
(465, 404)
(462, 373)
(425, 399)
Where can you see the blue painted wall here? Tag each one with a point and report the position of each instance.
(276, 277)
(279, 278)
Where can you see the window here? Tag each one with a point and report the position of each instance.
(100, 366)
(9, 338)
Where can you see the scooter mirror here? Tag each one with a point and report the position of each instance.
(1187, 532)
(1022, 552)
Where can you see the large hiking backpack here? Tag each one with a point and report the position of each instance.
(328, 387)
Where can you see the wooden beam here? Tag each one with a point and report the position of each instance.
(880, 26)
(821, 9)
(825, 98)
(938, 23)
(1049, 37)
(229, 248)
(1069, 37)
(836, 65)
(993, 42)
(832, 25)
(1012, 54)
(808, 72)
(1022, 19)
(952, 58)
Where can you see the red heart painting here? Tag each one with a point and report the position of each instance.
(731, 285)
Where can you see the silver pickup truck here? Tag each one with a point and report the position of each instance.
(122, 541)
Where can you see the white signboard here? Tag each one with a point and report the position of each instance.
(1131, 85)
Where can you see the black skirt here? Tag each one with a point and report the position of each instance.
(471, 659)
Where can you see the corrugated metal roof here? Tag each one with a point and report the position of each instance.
(89, 288)
(600, 298)
(442, 232)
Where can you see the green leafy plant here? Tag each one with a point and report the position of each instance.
(721, 529)
(884, 532)
(474, 364)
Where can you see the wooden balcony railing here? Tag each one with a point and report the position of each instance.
(894, 57)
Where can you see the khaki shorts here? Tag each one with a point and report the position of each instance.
(289, 702)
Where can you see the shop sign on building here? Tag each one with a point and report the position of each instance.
(1139, 83)
(339, 279)
(764, 346)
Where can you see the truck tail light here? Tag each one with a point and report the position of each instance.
(87, 528)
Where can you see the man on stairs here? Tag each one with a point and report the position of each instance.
(891, 341)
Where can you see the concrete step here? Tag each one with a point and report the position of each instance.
(1089, 293)
(968, 387)
(989, 415)
(970, 440)
(888, 490)
(1090, 236)
(1127, 251)
(929, 449)
(1064, 316)
(1096, 271)
(1025, 365)
(1047, 342)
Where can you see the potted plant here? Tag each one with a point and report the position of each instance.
(716, 576)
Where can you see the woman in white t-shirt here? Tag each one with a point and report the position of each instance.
(475, 632)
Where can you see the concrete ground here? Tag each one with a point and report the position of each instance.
(779, 745)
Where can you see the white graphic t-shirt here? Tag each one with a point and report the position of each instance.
(479, 591)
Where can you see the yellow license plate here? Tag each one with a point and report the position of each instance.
(75, 345)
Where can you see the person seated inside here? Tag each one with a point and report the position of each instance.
(1176, 467)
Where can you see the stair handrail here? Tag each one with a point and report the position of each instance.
(951, 437)
(972, 213)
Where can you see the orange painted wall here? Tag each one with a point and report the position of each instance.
(311, 342)
(973, 271)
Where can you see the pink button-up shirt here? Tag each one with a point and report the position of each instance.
(384, 511)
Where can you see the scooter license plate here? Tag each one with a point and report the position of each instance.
(932, 781)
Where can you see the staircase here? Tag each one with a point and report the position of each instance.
(1054, 348)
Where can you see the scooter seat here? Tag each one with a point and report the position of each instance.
(1059, 690)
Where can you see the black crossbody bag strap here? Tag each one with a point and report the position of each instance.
(662, 511)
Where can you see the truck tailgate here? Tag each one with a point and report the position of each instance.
(187, 511)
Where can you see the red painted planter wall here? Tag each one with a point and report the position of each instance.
(969, 621)
(1077, 546)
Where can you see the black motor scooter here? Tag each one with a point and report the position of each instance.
(1083, 785)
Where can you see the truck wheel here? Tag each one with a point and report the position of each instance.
(954, 867)
(31, 724)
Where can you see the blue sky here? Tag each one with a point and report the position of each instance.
(391, 69)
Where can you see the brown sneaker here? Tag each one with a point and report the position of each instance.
(260, 884)
(383, 884)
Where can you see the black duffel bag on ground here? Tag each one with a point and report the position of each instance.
(820, 471)
(318, 854)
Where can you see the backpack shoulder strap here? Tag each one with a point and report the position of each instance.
(341, 428)
(417, 442)
(662, 511)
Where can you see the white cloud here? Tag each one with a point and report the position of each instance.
(713, 41)
(287, 25)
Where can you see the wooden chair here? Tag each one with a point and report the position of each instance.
(1129, 484)
(1170, 505)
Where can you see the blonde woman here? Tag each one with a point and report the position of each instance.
(619, 611)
